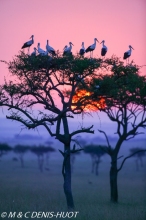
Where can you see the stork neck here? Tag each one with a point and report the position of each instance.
(32, 38)
(95, 42)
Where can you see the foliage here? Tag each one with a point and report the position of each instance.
(40, 150)
(5, 147)
(98, 150)
(21, 148)
(47, 84)
(138, 152)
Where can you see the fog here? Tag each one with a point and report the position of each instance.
(13, 133)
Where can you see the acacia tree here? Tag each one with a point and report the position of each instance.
(124, 91)
(4, 149)
(138, 153)
(39, 151)
(40, 93)
(21, 150)
(96, 152)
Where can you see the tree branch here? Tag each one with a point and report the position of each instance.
(109, 146)
(129, 157)
(87, 130)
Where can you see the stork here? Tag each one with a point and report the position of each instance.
(50, 49)
(67, 50)
(92, 47)
(82, 50)
(41, 51)
(34, 52)
(28, 43)
(127, 54)
(104, 48)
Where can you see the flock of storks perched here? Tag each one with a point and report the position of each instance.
(67, 49)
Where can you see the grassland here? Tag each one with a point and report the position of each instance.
(29, 190)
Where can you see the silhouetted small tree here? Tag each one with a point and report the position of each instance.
(139, 156)
(48, 143)
(48, 151)
(96, 152)
(21, 150)
(4, 149)
(40, 151)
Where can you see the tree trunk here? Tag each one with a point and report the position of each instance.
(22, 161)
(113, 180)
(67, 178)
(93, 162)
(40, 162)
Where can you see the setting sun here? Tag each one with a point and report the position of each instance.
(87, 104)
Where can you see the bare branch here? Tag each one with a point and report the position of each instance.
(87, 130)
(129, 157)
(109, 146)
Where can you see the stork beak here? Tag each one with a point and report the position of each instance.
(101, 42)
(132, 47)
(97, 40)
(72, 44)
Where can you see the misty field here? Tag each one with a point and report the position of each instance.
(27, 189)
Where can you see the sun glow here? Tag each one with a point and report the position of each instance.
(85, 101)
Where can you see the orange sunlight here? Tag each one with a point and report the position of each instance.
(94, 106)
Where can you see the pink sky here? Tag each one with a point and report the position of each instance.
(118, 22)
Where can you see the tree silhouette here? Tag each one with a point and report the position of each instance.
(96, 152)
(48, 151)
(40, 93)
(21, 150)
(40, 151)
(139, 154)
(4, 149)
(124, 90)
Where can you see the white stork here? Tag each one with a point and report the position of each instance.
(67, 50)
(28, 43)
(41, 51)
(82, 50)
(92, 47)
(34, 52)
(50, 49)
(127, 54)
(104, 48)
